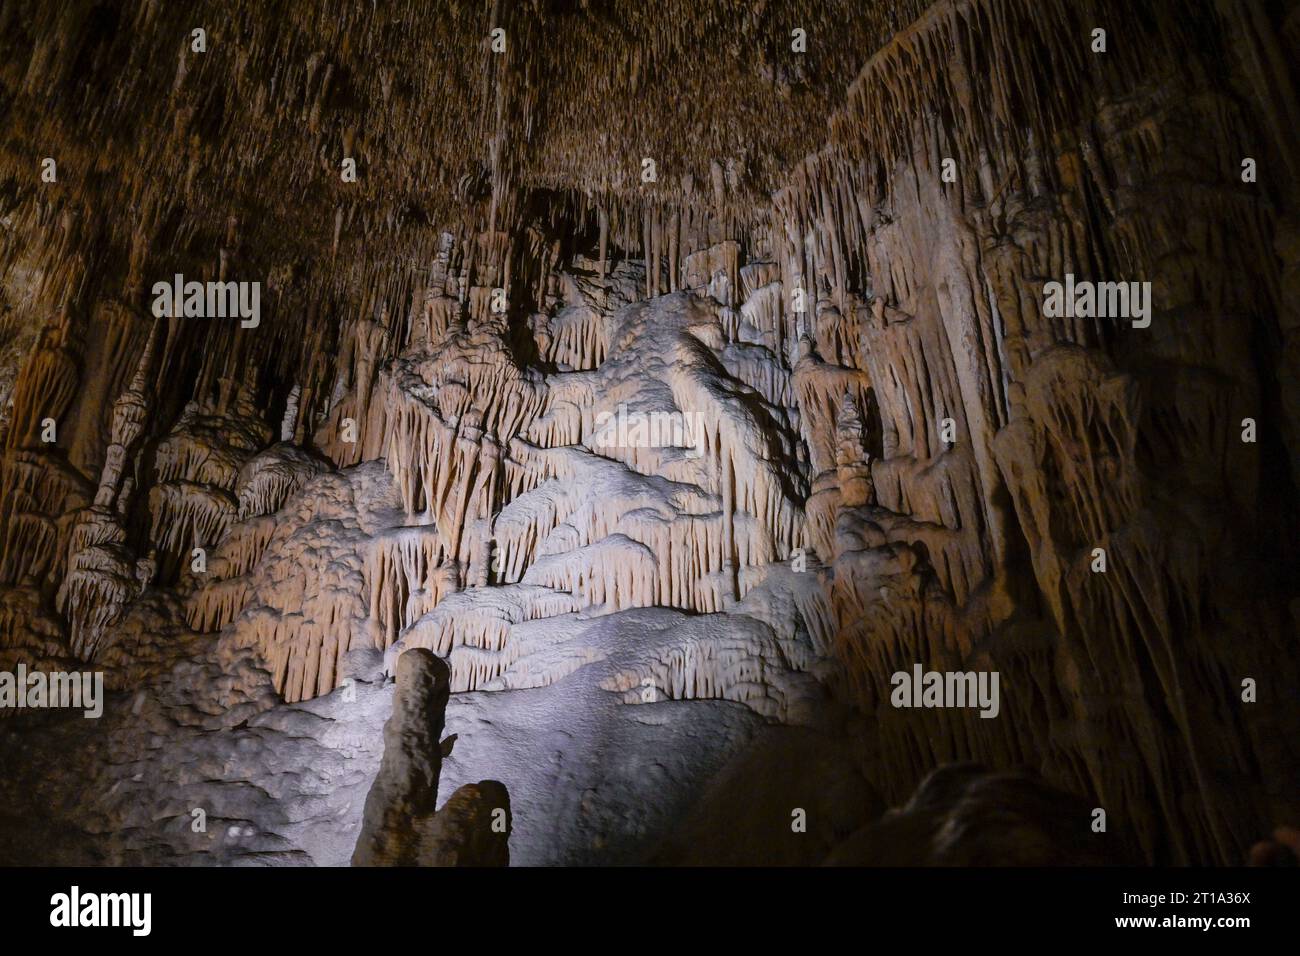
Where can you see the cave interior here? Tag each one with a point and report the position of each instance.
(730, 432)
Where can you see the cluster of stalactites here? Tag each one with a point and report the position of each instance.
(102, 575)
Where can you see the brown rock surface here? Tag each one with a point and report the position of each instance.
(401, 825)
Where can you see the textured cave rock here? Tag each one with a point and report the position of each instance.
(401, 825)
(653, 484)
(964, 815)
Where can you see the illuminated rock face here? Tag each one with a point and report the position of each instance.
(401, 825)
(671, 477)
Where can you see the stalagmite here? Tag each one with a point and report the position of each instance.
(402, 825)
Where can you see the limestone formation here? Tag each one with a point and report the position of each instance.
(647, 394)
(963, 815)
(401, 825)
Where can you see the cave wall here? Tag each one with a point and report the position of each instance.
(1072, 434)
